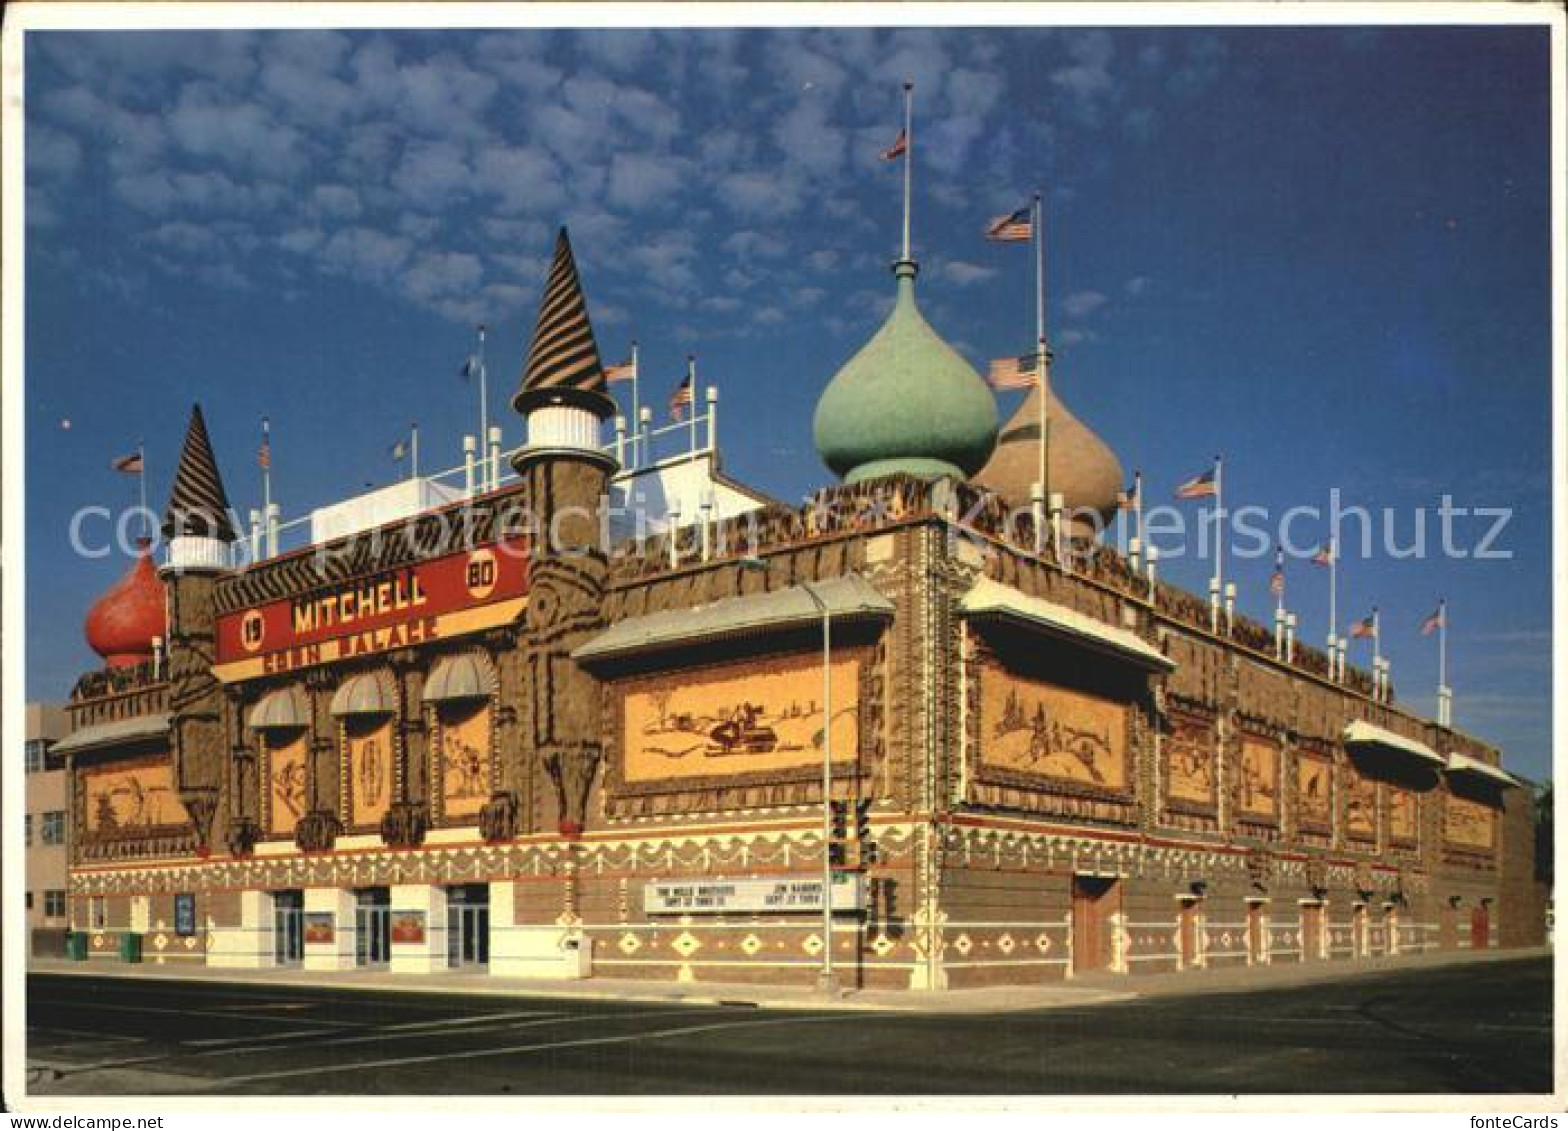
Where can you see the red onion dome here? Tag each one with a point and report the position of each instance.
(121, 624)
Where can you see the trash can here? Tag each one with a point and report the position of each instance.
(76, 946)
(130, 947)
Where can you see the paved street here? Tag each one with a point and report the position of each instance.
(1460, 1028)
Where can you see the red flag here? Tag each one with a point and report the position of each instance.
(899, 147)
(131, 464)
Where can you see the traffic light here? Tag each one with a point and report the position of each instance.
(838, 820)
(862, 819)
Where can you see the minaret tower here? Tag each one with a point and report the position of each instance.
(564, 399)
(200, 533)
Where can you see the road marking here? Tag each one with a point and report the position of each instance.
(473, 1019)
(96, 1006)
(508, 1050)
(552, 1019)
(98, 1037)
(215, 1042)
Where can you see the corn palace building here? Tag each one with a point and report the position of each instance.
(457, 740)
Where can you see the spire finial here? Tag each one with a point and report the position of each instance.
(198, 505)
(563, 365)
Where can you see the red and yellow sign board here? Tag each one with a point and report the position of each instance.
(447, 596)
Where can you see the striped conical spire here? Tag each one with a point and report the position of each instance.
(198, 506)
(563, 362)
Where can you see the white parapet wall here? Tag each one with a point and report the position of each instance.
(528, 951)
(248, 946)
(418, 929)
(336, 953)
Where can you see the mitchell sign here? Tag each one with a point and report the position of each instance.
(432, 600)
(718, 897)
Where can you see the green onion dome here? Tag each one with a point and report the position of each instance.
(907, 402)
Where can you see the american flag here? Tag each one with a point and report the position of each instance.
(1364, 628)
(1277, 581)
(1128, 498)
(131, 464)
(680, 400)
(1015, 372)
(1015, 227)
(1198, 487)
(264, 457)
(899, 147)
(1433, 622)
(1325, 554)
(621, 371)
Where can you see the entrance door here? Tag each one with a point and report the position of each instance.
(1480, 927)
(1094, 901)
(1311, 931)
(1187, 935)
(468, 925)
(373, 927)
(288, 927)
(1358, 931)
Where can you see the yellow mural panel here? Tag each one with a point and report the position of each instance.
(133, 798)
(286, 771)
(1360, 805)
(1403, 814)
(463, 766)
(725, 722)
(1037, 728)
(1190, 765)
(1257, 791)
(1468, 824)
(370, 754)
(1314, 791)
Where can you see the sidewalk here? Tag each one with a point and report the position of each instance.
(1094, 989)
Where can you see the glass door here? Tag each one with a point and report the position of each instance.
(288, 927)
(373, 927)
(468, 925)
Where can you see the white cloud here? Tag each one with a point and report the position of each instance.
(748, 244)
(638, 181)
(962, 274)
(1080, 304)
(441, 274)
(335, 200)
(522, 179)
(760, 195)
(365, 252)
(51, 153)
(432, 174)
(1136, 285)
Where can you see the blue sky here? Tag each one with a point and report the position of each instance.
(1324, 252)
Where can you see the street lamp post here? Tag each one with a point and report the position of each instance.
(827, 982)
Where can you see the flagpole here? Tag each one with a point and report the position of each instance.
(484, 416)
(1137, 508)
(1333, 589)
(637, 456)
(909, 161)
(1219, 527)
(691, 389)
(1377, 638)
(1442, 643)
(141, 455)
(413, 448)
(1279, 567)
(1042, 365)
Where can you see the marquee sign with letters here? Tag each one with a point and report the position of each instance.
(443, 597)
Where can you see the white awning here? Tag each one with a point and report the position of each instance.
(111, 734)
(991, 598)
(467, 675)
(1363, 733)
(282, 709)
(1474, 767)
(846, 598)
(369, 693)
